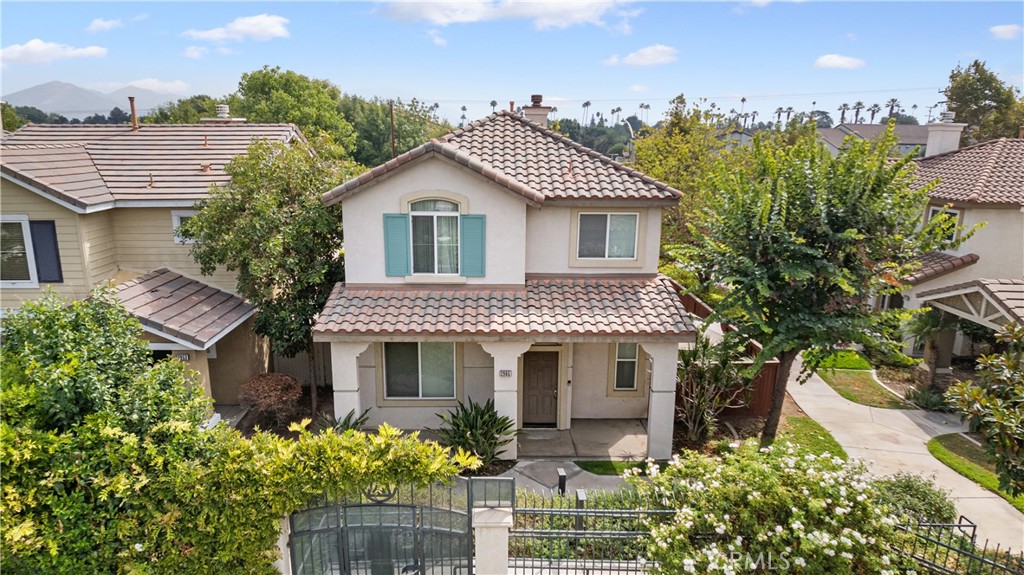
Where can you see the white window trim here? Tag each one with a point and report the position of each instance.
(176, 216)
(419, 370)
(30, 252)
(412, 247)
(636, 369)
(956, 213)
(607, 235)
(636, 261)
(639, 374)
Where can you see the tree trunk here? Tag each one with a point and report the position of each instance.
(771, 425)
(313, 379)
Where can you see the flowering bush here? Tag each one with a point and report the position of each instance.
(776, 509)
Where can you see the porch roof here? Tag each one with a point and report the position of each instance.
(554, 309)
(989, 302)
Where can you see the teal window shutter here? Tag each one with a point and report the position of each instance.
(474, 246)
(396, 244)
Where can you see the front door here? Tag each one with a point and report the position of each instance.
(540, 388)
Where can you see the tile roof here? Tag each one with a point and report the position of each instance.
(554, 309)
(935, 264)
(91, 165)
(1009, 293)
(832, 136)
(532, 161)
(906, 134)
(987, 173)
(182, 308)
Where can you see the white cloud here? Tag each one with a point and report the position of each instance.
(260, 27)
(653, 55)
(101, 25)
(171, 87)
(195, 52)
(1005, 31)
(437, 38)
(543, 14)
(39, 52)
(639, 88)
(839, 61)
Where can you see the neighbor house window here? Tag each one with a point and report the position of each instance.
(607, 236)
(28, 252)
(435, 237)
(179, 217)
(626, 361)
(419, 370)
(934, 211)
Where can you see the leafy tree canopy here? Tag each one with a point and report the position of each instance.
(269, 225)
(802, 240)
(185, 111)
(990, 107)
(11, 119)
(415, 124)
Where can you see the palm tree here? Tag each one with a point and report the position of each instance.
(494, 104)
(928, 326)
(857, 107)
(843, 109)
(778, 115)
(874, 109)
(743, 103)
(893, 104)
(616, 111)
(586, 107)
(554, 110)
(753, 116)
(789, 112)
(745, 115)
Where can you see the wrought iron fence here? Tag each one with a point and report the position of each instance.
(953, 549)
(586, 533)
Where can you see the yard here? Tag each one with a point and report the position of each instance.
(970, 460)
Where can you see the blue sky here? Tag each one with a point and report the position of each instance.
(615, 54)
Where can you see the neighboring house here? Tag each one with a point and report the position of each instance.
(506, 262)
(89, 205)
(909, 137)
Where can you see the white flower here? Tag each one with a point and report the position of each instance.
(799, 562)
(138, 547)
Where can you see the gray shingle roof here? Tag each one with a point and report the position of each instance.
(536, 163)
(91, 165)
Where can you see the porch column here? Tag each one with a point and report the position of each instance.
(506, 382)
(661, 407)
(345, 377)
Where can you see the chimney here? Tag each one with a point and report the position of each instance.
(135, 117)
(223, 117)
(536, 112)
(943, 135)
(1020, 134)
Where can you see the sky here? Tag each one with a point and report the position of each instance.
(467, 53)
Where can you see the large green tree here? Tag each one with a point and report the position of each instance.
(414, 124)
(990, 107)
(802, 239)
(11, 119)
(184, 111)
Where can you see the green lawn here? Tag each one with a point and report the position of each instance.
(844, 359)
(605, 467)
(809, 434)
(858, 386)
(972, 462)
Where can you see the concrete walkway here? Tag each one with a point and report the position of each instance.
(891, 440)
(542, 476)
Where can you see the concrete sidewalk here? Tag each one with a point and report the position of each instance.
(891, 440)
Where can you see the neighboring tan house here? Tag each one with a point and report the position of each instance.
(909, 137)
(89, 205)
(506, 262)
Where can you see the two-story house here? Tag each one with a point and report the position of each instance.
(89, 205)
(506, 262)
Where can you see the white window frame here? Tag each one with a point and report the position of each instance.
(419, 371)
(636, 369)
(26, 232)
(176, 216)
(434, 215)
(607, 235)
(955, 213)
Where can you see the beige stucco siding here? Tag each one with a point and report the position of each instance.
(364, 213)
(549, 242)
(241, 354)
(99, 249)
(477, 371)
(145, 242)
(16, 200)
(590, 397)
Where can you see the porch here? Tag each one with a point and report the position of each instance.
(616, 439)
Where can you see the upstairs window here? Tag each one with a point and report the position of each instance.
(607, 236)
(28, 252)
(179, 217)
(435, 237)
(954, 215)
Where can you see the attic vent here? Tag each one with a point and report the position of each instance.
(205, 168)
(223, 111)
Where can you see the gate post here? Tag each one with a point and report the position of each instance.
(284, 562)
(491, 527)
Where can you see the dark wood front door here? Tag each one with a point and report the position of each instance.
(540, 388)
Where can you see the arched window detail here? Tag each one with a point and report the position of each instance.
(435, 236)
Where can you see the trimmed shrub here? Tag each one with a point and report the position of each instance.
(274, 396)
(915, 498)
(477, 429)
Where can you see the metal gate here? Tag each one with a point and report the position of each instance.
(413, 532)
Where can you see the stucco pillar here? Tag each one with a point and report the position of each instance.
(506, 382)
(661, 407)
(345, 377)
(491, 527)
(284, 562)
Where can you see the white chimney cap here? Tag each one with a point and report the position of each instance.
(223, 111)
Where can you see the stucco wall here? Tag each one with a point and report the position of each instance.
(241, 354)
(549, 243)
(363, 217)
(16, 200)
(590, 387)
(198, 360)
(477, 372)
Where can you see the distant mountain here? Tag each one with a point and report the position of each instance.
(74, 101)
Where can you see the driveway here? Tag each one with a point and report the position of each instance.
(891, 440)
